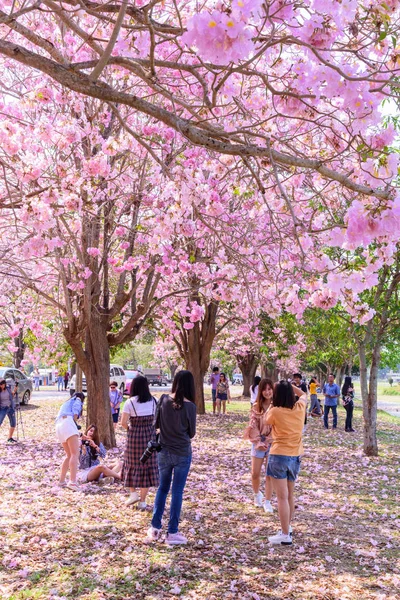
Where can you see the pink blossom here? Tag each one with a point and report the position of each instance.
(93, 251)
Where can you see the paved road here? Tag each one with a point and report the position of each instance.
(47, 393)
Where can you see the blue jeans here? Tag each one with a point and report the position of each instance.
(214, 395)
(10, 412)
(326, 415)
(170, 464)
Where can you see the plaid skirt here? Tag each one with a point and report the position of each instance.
(134, 474)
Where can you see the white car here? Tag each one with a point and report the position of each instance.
(117, 374)
(72, 382)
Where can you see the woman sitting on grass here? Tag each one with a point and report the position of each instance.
(90, 469)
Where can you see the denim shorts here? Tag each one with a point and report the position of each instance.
(283, 467)
(259, 453)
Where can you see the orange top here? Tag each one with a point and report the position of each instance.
(287, 428)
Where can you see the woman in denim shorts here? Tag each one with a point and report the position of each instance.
(286, 417)
(259, 434)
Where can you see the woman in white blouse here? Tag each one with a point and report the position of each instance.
(138, 418)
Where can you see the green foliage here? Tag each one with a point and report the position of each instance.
(329, 339)
(133, 355)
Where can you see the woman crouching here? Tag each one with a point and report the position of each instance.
(286, 417)
(259, 434)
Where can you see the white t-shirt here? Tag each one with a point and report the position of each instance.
(253, 395)
(143, 409)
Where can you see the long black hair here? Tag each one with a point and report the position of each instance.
(256, 381)
(183, 387)
(347, 384)
(140, 388)
(284, 395)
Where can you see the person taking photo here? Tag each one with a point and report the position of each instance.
(7, 408)
(176, 422)
(286, 417)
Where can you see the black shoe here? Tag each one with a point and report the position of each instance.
(11, 441)
(352, 430)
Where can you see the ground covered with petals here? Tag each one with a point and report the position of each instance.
(59, 544)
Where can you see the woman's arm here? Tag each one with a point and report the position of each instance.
(253, 430)
(125, 420)
(298, 391)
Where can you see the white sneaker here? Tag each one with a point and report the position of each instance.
(267, 506)
(153, 534)
(290, 531)
(173, 539)
(142, 505)
(133, 498)
(280, 539)
(258, 499)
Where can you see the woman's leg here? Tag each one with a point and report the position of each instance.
(268, 488)
(181, 471)
(290, 485)
(165, 469)
(223, 407)
(73, 446)
(350, 413)
(282, 494)
(65, 465)
(143, 494)
(256, 465)
(218, 406)
(94, 474)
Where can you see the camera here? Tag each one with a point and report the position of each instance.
(85, 443)
(152, 447)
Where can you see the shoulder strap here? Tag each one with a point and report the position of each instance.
(133, 407)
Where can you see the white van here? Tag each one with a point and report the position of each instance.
(117, 374)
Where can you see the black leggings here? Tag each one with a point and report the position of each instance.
(349, 416)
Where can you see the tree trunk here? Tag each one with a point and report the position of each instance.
(98, 380)
(340, 371)
(369, 395)
(194, 364)
(173, 367)
(19, 355)
(270, 371)
(248, 366)
(95, 364)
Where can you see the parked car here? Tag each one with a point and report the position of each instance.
(130, 376)
(117, 374)
(12, 376)
(237, 379)
(72, 384)
(155, 377)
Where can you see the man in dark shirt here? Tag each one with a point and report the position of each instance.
(298, 382)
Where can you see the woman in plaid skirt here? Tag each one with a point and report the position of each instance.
(138, 419)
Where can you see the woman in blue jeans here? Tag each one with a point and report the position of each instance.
(176, 422)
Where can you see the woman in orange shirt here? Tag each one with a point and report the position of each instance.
(286, 418)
